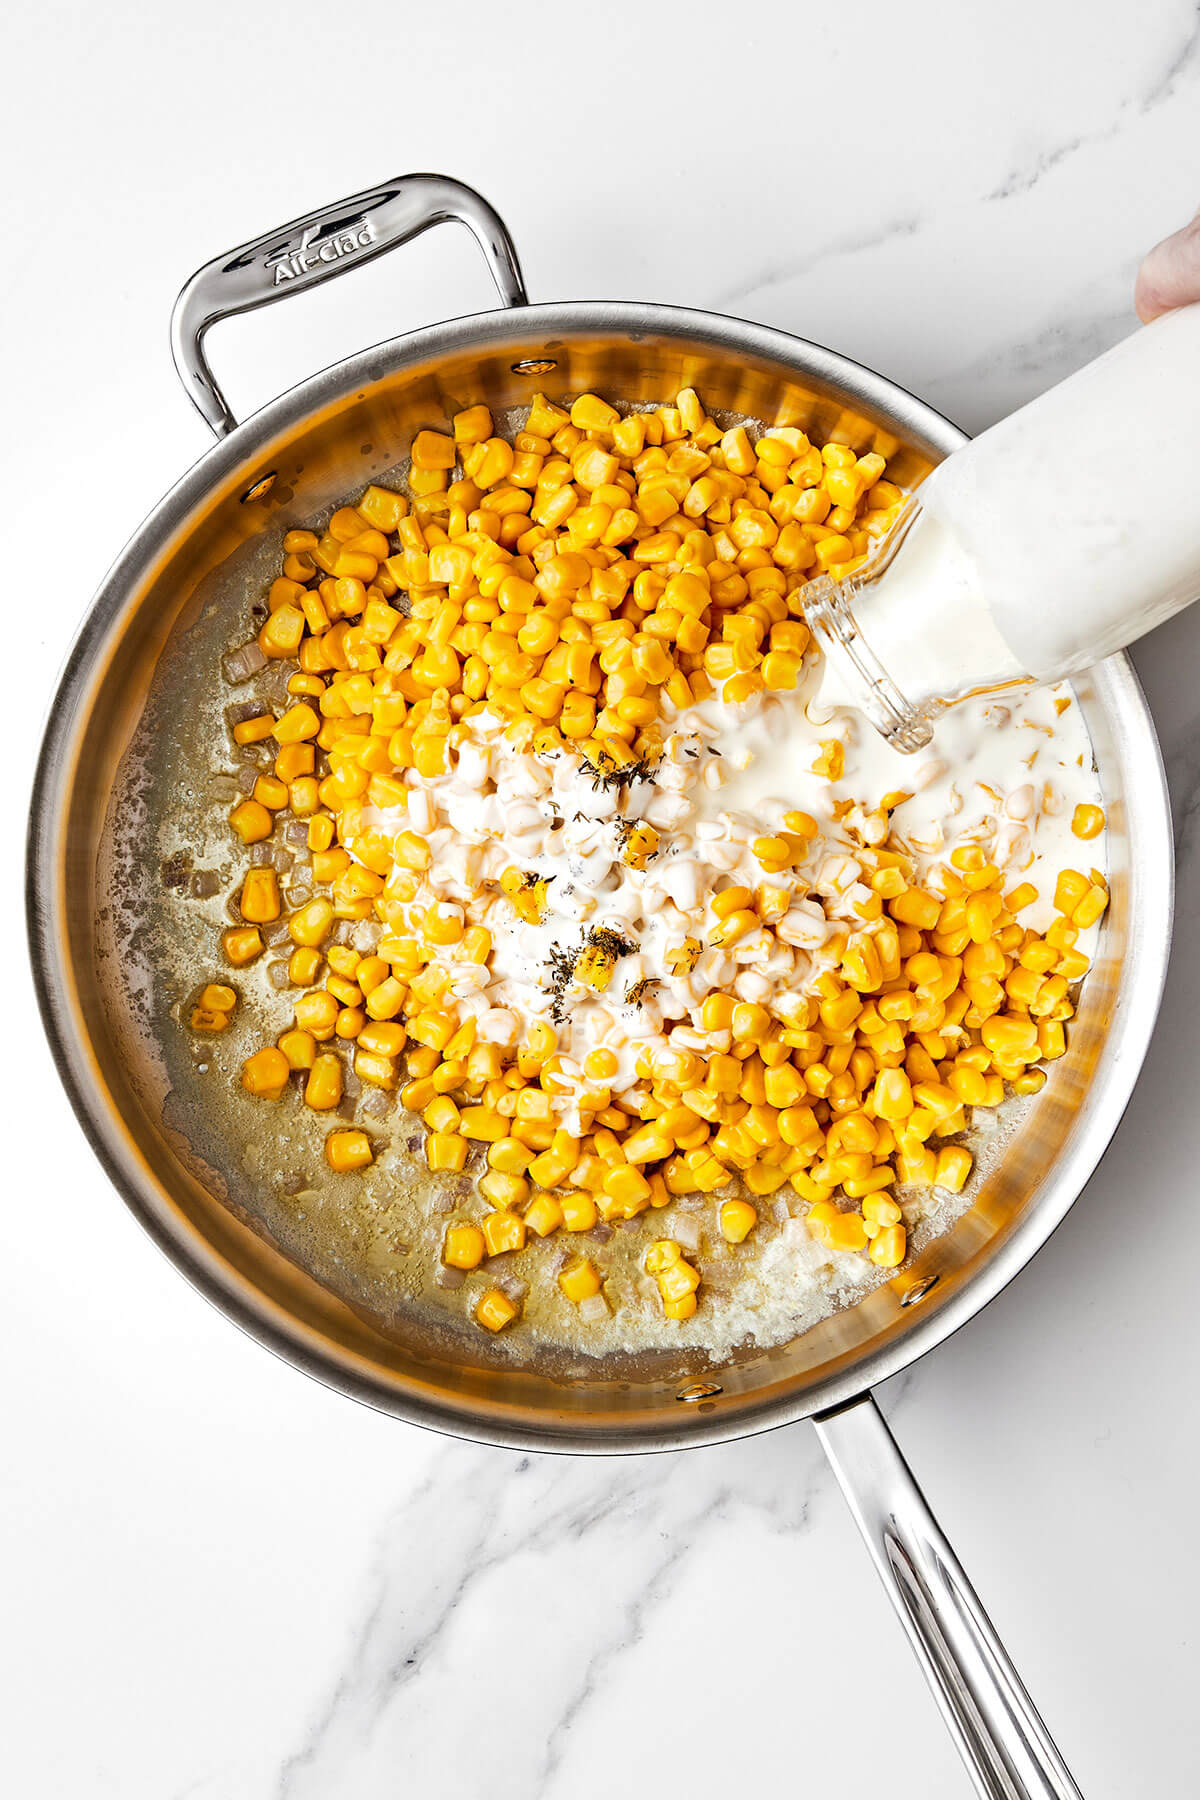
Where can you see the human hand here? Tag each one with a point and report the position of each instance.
(1170, 274)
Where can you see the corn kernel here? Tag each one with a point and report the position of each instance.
(463, 1247)
(1087, 821)
(265, 1074)
(259, 900)
(242, 945)
(579, 1279)
(503, 1231)
(738, 1219)
(252, 821)
(888, 1247)
(444, 1151)
(495, 1310)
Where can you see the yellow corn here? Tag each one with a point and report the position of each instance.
(888, 1247)
(242, 945)
(831, 758)
(217, 997)
(495, 1310)
(251, 821)
(1090, 908)
(463, 1247)
(738, 1219)
(572, 580)
(579, 1279)
(346, 1151)
(265, 1074)
(253, 731)
(594, 967)
(503, 1231)
(208, 1019)
(1087, 821)
(259, 900)
(543, 1215)
(445, 1151)
(323, 1089)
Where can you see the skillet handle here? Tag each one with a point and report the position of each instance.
(1001, 1738)
(341, 236)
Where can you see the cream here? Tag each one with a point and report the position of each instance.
(1050, 541)
(1004, 775)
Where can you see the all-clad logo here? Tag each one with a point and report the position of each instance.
(297, 259)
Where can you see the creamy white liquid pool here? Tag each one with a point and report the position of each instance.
(1003, 774)
(1056, 537)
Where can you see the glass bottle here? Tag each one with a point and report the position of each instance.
(1053, 539)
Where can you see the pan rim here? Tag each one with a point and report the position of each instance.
(221, 1283)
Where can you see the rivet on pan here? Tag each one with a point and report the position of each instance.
(918, 1290)
(534, 365)
(262, 486)
(699, 1390)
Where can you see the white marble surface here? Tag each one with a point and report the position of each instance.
(221, 1580)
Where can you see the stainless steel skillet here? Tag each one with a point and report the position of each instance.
(115, 781)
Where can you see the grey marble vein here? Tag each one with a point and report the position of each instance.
(1183, 63)
(1181, 69)
(479, 1516)
(654, 1588)
(775, 274)
(1017, 369)
(372, 1675)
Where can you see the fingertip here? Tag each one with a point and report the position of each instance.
(1146, 303)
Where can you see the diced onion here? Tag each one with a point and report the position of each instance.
(449, 1278)
(593, 1309)
(240, 664)
(241, 710)
(686, 1232)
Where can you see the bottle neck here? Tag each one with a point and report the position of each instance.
(909, 633)
(857, 675)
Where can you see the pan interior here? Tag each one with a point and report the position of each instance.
(317, 1269)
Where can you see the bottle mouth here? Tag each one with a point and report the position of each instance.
(828, 611)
